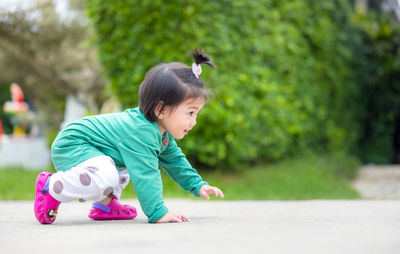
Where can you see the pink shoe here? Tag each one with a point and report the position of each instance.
(45, 206)
(112, 211)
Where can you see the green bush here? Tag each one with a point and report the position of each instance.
(5, 96)
(380, 137)
(284, 81)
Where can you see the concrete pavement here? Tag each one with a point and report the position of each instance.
(378, 182)
(353, 226)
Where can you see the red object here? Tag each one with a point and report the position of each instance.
(165, 141)
(16, 93)
(1, 129)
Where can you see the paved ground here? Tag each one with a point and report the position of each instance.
(360, 226)
(378, 182)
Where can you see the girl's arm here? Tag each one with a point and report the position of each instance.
(140, 157)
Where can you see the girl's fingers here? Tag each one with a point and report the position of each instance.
(173, 218)
(211, 190)
(176, 219)
(215, 190)
(221, 194)
(205, 195)
(183, 218)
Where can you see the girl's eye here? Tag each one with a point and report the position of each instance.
(191, 113)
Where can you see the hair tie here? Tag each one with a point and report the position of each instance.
(196, 69)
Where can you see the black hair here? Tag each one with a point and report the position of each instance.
(170, 84)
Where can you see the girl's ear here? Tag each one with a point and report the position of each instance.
(159, 110)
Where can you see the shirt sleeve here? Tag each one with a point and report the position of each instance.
(139, 152)
(174, 162)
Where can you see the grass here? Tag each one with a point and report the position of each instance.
(307, 177)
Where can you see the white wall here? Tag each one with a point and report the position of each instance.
(30, 153)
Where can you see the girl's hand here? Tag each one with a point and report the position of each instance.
(205, 190)
(171, 217)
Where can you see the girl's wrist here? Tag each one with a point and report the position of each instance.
(158, 214)
(197, 190)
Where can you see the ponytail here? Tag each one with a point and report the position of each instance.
(200, 57)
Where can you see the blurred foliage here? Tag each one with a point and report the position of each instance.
(285, 79)
(380, 138)
(49, 56)
(5, 96)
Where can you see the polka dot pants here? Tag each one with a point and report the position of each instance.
(93, 179)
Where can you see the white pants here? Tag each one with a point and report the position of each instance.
(93, 179)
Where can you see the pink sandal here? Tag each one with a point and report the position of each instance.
(45, 206)
(112, 211)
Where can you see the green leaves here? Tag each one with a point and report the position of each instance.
(379, 141)
(283, 80)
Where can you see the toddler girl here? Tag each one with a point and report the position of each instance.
(96, 156)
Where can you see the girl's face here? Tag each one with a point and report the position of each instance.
(180, 120)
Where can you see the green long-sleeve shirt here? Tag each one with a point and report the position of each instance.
(133, 143)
